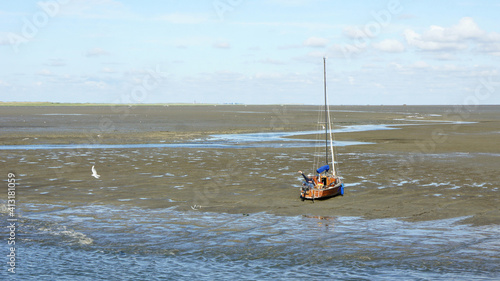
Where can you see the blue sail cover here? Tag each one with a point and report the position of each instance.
(323, 168)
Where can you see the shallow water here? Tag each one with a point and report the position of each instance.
(270, 140)
(99, 241)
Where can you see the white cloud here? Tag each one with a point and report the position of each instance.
(361, 41)
(315, 42)
(421, 64)
(4, 39)
(345, 51)
(95, 84)
(45, 72)
(108, 70)
(396, 65)
(390, 46)
(445, 56)
(492, 37)
(467, 29)
(96, 52)
(456, 37)
(313, 56)
(491, 48)
(3, 83)
(427, 44)
(351, 80)
(451, 67)
(354, 32)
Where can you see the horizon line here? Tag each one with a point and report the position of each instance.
(48, 103)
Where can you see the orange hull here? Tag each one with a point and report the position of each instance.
(333, 187)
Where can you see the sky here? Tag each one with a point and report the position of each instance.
(387, 52)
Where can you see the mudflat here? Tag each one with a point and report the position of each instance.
(426, 163)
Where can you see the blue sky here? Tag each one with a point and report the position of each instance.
(253, 52)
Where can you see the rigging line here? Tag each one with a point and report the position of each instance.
(331, 140)
(328, 127)
(318, 144)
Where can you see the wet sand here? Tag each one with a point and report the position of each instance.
(426, 168)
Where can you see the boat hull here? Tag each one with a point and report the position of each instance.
(319, 192)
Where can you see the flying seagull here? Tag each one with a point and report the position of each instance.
(94, 173)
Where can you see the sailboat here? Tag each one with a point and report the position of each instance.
(326, 183)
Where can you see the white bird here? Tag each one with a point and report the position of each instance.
(94, 173)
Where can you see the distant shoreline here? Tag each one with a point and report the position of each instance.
(99, 104)
(15, 103)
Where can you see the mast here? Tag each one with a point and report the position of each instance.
(328, 128)
(326, 111)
